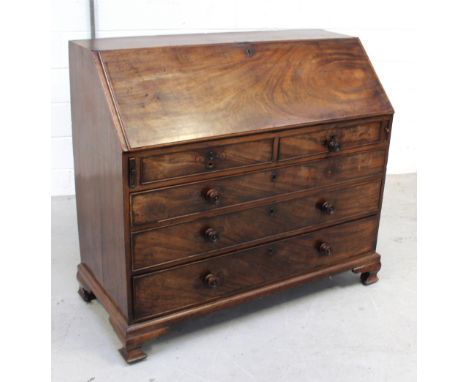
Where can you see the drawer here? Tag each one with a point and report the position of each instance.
(199, 161)
(193, 284)
(166, 203)
(330, 139)
(208, 235)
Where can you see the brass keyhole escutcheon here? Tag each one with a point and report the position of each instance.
(249, 52)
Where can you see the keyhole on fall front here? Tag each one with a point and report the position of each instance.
(249, 52)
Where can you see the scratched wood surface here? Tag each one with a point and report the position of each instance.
(182, 93)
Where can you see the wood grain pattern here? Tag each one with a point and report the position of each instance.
(211, 159)
(167, 203)
(187, 240)
(175, 289)
(177, 94)
(315, 143)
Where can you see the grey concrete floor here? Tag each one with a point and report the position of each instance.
(331, 330)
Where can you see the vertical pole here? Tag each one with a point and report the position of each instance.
(91, 19)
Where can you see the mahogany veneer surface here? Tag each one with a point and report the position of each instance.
(215, 168)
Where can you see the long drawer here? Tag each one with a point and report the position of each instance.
(196, 283)
(166, 203)
(208, 235)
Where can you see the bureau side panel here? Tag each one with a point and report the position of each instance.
(97, 149)
(388, 133)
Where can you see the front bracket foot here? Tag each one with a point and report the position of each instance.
(369, 271)
(132, 355)
(368, 278)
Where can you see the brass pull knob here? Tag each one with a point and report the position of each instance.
(212, 281)
(325, 249)
(212, 195)
(211, 235)
(333, 144)
(327, 208)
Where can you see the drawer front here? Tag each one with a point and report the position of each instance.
(330, 139)
(171, 202)
(174, 165)
(208, 235)
(203, 281)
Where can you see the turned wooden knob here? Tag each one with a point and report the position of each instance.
(211, 235)
(212, 281)
(325, 249)
(333, 144)
(327, 208)
(212, 195)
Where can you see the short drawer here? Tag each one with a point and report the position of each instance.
(199, 161)
(204, 236)
(166, 203)
(197, 283)
(330, 139)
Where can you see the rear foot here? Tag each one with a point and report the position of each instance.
(86, 295)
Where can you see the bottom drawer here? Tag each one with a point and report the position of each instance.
(196, 283)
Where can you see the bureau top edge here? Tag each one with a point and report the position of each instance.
(140, 42)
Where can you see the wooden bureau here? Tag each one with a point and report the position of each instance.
(215, 168)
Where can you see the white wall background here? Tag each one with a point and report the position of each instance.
(384, 28)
